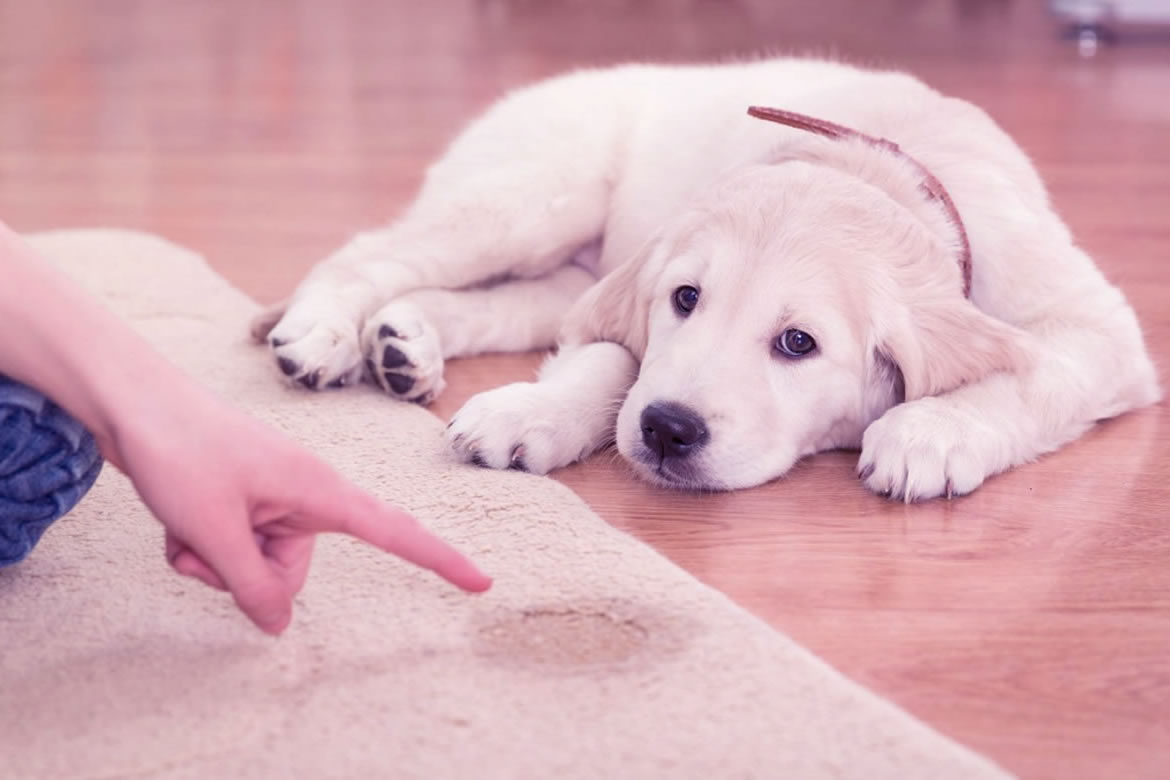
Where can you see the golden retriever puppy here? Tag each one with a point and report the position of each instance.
(862, 263)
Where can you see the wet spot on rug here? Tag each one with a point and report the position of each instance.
(577, 638)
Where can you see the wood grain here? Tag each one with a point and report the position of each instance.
(1030, 620)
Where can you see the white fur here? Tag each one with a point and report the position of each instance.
(647, 178)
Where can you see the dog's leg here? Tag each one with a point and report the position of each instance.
(539, 426)
(516, 196)
(949, 444)
(471, 240)
(406, 342)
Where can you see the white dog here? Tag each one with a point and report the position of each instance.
(881, 271)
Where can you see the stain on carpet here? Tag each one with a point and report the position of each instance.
(577, 638)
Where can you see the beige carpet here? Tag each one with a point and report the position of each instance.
(593, 657)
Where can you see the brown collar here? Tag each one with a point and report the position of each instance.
(930, 184)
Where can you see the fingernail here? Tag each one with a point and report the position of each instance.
(275, 623)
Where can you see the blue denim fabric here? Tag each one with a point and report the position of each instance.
(48, 461)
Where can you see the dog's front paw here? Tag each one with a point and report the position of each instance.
(518, 426)
(316, 347)
(403, 353)
(924, 449)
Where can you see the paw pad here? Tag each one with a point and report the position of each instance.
(392, 357)
(399, 383)
(402, 353)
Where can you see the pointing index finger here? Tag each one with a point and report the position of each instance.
(357, 513)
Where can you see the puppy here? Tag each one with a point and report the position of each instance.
(861, 263)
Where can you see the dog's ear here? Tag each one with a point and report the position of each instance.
(939, 345)
(616, 309)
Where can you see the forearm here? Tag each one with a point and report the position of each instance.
(56, 338)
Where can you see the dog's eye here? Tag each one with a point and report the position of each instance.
(795, 343)
(686, 298)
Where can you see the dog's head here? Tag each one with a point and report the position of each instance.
(783, 314)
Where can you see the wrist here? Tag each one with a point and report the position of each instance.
(147, 401)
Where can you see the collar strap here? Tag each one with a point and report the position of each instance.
(933, 188)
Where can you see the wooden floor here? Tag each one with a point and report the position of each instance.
(1030, 620)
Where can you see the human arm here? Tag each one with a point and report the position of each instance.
(240, 502)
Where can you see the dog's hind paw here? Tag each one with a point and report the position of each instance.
(315, 349)
(402, 353)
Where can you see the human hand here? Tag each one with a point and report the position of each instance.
(242, 504)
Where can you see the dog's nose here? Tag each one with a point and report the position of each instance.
(672, 429)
